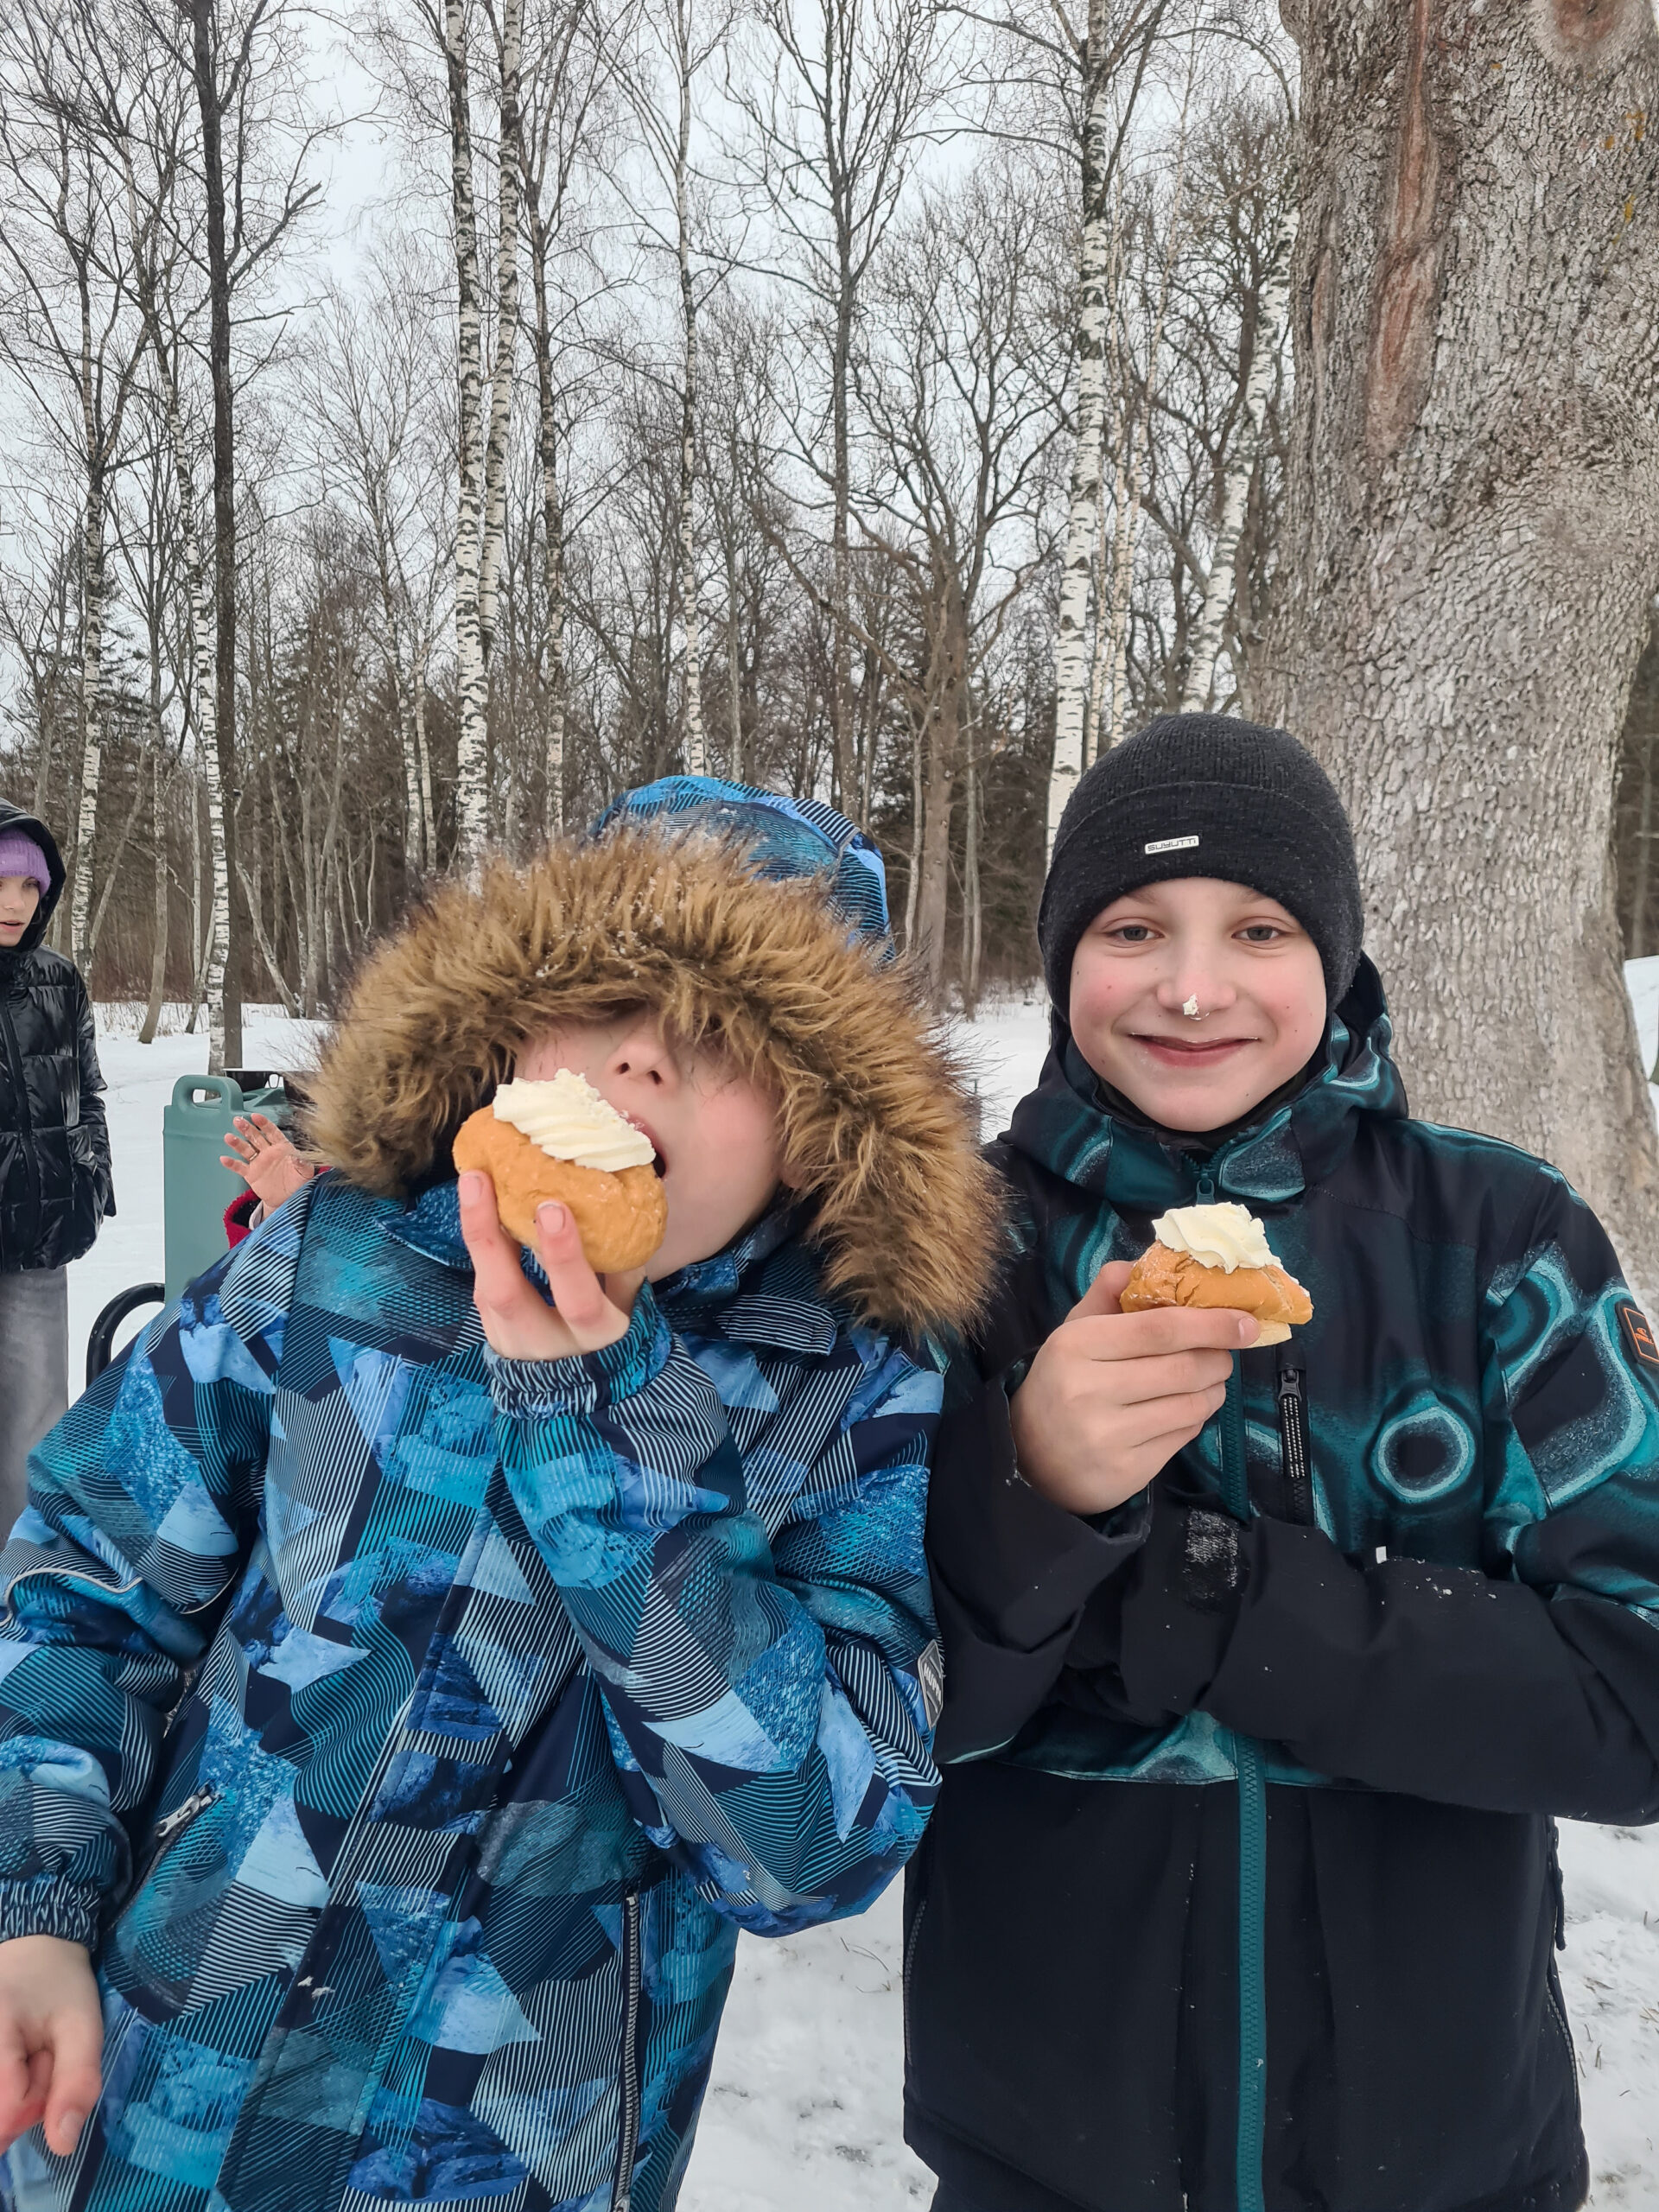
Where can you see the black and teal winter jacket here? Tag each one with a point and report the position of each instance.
(1254, 1780)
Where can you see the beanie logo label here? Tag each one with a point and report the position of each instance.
(1171, 845)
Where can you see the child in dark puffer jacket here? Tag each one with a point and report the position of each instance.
(55, 1185)
(1269, 1670)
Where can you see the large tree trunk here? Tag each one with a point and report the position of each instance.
(220, 738)
(1472, 535)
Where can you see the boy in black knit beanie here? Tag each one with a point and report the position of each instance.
(1268, 1669)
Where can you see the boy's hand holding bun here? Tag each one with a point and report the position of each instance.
(588, 1311)
(1112, 1397)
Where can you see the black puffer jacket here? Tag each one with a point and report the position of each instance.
(55, 1185)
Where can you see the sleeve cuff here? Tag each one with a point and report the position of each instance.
(1023, 1566)
(69, 1910)
(587, 1382)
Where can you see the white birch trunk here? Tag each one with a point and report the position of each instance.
(734, 654)
(510, 172)
(1129, 509)
(697, 754)
(204, 681)
(1272, 301)
(93, 581)
(1072, 655)
(472, 793)
(158, 888)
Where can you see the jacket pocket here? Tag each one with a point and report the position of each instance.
(630, 2053)
(166, 1831)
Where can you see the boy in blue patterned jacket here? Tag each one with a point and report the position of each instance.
(461, 1671)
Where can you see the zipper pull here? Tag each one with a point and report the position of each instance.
(1206, 1186)
(1292, 1445)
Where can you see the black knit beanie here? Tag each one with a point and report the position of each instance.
(1206, 795)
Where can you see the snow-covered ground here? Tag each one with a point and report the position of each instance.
(805, 2106)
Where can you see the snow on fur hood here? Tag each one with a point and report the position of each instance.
(726, 910)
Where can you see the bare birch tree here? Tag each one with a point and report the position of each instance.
(957, 397)
(841, 93)
(679, 39)
(1113, 38)
(70, 331)
(572, 48)
(1265, 340)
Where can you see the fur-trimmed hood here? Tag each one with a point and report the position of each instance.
(660, 914)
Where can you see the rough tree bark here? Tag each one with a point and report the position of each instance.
(1472, 535)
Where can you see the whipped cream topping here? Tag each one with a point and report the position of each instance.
(570, 1120)
(1224, 1235)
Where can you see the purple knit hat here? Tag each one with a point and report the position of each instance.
(20, 855)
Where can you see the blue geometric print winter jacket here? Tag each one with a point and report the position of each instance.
(457, 1713)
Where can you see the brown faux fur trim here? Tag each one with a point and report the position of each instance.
(871, 1106)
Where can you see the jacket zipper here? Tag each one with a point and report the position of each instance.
(1252, 1841)
(1292, 1445)
(169, 1827)
(629, 2085)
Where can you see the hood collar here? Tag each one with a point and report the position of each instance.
(1066, 1125)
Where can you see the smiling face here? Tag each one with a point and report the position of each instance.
(19, 896)
(714, 1132)
(1247, 968)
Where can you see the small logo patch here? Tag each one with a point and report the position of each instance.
(1638, 1335)
(1171, 845)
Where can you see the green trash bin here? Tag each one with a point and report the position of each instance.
(195, 1189)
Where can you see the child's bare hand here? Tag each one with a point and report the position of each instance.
(264, 1159)
(51, 2040)
(1112, 1397)
(588, 1311)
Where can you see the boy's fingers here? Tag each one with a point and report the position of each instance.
(1103, 1294)
(1176, 1374)
(577, 1291)
(14, 2081)
(498, 1279)
(1162, 1329)
(78, 2047)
